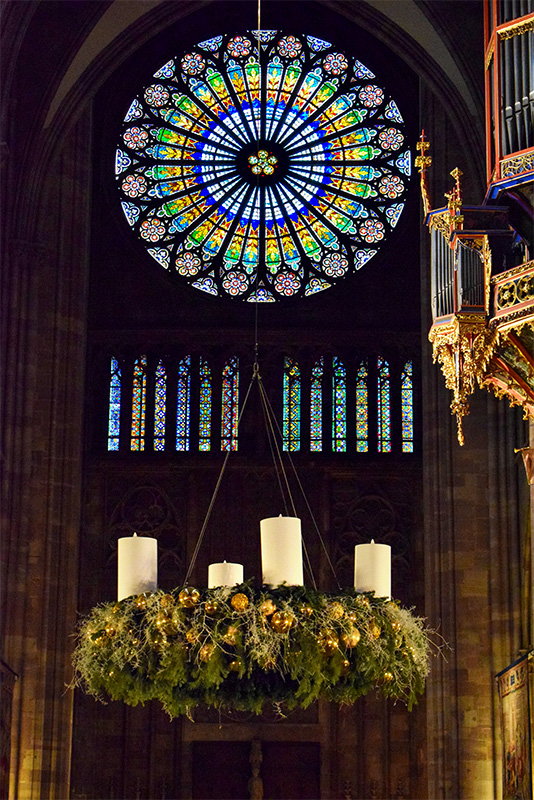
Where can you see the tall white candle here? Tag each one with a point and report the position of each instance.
(224, 574)
(281, 551)
(372, 568)
(137, 565)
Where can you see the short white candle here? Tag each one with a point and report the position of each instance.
(281, 551)
(137, 565)
(224, 574)
(372, 568)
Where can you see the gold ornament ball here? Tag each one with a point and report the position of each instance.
(388, 677)
(211, 608)
(206, 652)
(191, 636)
(364, 600)
(230, 637)
(162, 619)
(239, 602)
(281, 621)
(189, 597)
(116, 608)
(167, 601)
(306, 611)
(375, 630)
(352, 615)
(396, 626)
(141, 601)
(351, 638)
(345, 666)
(328, 642)
(235, 665)
(267, 608)
(335, 610)
(110, 629)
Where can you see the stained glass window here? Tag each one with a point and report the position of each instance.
(204, 428)
(160, 406)
(137, 439)
(362, 409)
(291, 405)
(339, 406)
(262, 175)
(316, 407)
(114, 410)
(407, 407)
(383, 407)
(183, 404)
(230, 404)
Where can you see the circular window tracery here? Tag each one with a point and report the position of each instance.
(263, 175)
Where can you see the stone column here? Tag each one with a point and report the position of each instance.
(45, 315)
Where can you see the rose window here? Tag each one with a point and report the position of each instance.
(263, 170)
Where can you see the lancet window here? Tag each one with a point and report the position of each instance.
(329, 404)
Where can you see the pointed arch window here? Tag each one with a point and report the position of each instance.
(183, 404)
(114, 409)
(230, 404)
(204, 426)
(383, 406)
(339, 406)
(362, 409)
(137, 438)
(160, 406)
(291, 409)
(316, 407)
(407, 407)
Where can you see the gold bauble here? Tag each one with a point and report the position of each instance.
(281, 621)
(351, 638)
(328, 642)
(116, 608)
(206, 652)
(167, 601)
(189, 597)
(235, 665)
(162, 618)
(363, 600)
(388, 677)
(191, 636)
(141, 601)
(396, 626)
(345, 666)
(230, 637)
(267, 608)
(352, 615)
(239, 601)
(375, 630)
(306, 611)
(211, 607)
(110, 629)
(398, 640)
(335, 610)
(166, 623)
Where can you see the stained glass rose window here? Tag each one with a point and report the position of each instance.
(262, 167)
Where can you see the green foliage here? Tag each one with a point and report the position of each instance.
(286, 645)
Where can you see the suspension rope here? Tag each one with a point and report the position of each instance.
(217, 486)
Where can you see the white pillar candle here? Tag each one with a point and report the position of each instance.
(281, 551)
(372, 568)
(224, 574)
(137, 565)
